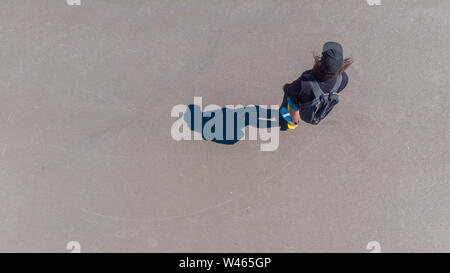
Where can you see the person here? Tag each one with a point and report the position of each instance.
(326, 71)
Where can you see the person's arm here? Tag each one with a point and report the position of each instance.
(344, 82)
(292, 91)
(294, 110)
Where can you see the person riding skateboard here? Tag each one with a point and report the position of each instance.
(312, 96)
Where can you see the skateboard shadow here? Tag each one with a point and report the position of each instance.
(231, 130)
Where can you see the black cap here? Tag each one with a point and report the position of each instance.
(332, 57)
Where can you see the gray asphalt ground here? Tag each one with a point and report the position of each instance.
(86, 152)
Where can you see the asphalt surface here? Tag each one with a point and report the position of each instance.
(87, 155)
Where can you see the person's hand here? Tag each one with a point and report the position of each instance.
(295, 116)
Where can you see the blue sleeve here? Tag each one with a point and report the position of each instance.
(292, 105)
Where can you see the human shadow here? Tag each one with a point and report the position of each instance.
(232, 122)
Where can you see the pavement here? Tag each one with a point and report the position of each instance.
(87, 154)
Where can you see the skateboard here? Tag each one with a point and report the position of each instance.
(285, 113)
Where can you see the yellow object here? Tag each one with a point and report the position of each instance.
(290, 126)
